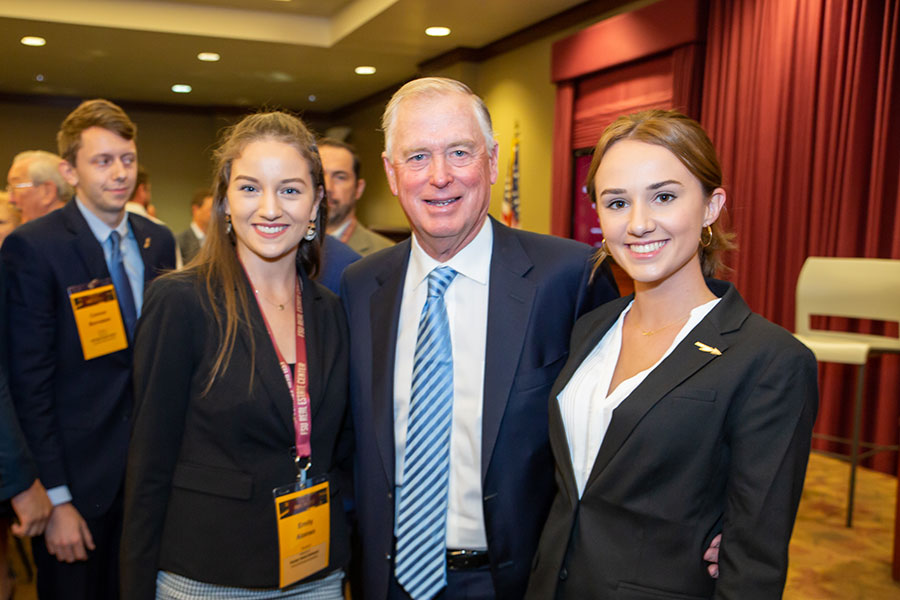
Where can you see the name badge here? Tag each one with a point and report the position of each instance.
(98, 318)
(303, 515)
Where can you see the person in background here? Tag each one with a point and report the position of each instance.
(21, 494)
(72, 391)
(229, 352)
(10, 216)
(190, 240)
(140, 202)
(679, 413)
(344, 187)
(36, 185)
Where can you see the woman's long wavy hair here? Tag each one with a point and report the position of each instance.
(686, 139)
(217, 264)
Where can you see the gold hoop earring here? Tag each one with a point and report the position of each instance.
(227, 223)
(310, 231)
(709, 241)
(603, 247)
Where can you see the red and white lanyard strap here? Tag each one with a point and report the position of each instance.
(298, 388)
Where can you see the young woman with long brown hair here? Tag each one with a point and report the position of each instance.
(240, 387)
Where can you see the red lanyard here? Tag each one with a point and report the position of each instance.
(299, 388)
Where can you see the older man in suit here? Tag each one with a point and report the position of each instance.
(457, 335)
(73, 393)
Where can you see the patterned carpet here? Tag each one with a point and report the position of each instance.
(828, 560)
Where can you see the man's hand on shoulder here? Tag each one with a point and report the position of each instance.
(67, 536)
(33, 509)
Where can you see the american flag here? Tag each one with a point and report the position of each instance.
(510, 207)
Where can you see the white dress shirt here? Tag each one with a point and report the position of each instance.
(467, 310)
(586, 407)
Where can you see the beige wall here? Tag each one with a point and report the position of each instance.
(173, 145)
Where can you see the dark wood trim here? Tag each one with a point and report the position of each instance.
(558, 22)
(380, 97)
(217, 110)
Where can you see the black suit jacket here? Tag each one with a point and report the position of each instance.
(704, 443)
(76, 414)
(538, 288)
(17, 468)
(201, 469)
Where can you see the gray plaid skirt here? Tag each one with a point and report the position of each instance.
(170, 586)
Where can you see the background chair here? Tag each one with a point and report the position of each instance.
(856, 288)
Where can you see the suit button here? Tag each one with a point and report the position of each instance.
(387, 556)
(390, 496)
(563, 574)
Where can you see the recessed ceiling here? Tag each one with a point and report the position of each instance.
(273, 53)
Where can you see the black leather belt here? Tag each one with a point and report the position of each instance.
(462, 560)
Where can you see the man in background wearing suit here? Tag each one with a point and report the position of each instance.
(343, 188)
(454, 475)
(76, 412)
(190, 240)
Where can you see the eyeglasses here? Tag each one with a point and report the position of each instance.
(18, 186)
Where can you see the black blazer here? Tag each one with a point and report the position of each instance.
(75, 413)
(539, 285)
(201, 468)
(704, 443)
(17, 468)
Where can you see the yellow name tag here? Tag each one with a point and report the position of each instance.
(304, 521)
(99, 320)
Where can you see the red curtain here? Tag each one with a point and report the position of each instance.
(801, 101)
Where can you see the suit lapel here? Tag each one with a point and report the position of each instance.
(597, 328)
(384, 307)
(267, 371)
(510, 299)
(85, 244)
(145, 242)
(685, 360)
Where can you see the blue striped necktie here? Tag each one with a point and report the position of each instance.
(122, 284)
(421, 563)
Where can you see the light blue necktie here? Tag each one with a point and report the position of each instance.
(122, 284)
(421, 564)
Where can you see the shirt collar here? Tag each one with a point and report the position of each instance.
(473, 261)
(198, 233)
(340, 230)
(100, 229)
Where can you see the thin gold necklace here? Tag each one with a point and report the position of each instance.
(280, 306)
(666, 326)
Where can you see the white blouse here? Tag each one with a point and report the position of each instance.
(586, 408)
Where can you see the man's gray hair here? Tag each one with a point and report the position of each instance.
(435, 86)
(43, 166)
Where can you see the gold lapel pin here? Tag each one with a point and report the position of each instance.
(146, 243)
(704, 348)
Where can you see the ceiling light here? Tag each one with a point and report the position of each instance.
(437, 31)
(181, 88)
(312, 97)
(365, 70)
(33, 40)
(39, 77)
(208, 57)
